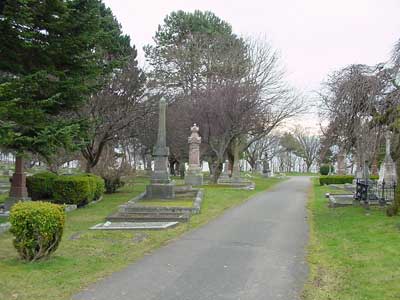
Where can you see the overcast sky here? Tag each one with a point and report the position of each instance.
(313, 37)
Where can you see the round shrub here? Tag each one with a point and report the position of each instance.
(324, 169)
(40, 186)
(37, 228)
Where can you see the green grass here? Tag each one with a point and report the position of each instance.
(3, 220)
(85, 256)
(3, 197)
(353, 253)
(170, 203)
(300, 174)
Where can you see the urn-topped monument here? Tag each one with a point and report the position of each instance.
(161, 185)
(194, 176)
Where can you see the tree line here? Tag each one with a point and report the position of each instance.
(71, 88)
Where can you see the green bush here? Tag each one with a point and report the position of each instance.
(112, 184)
(336, 179)
(37, 228)
(97, 185)
(40, 186)
(72, 190)
(77, 189)
(324, 169)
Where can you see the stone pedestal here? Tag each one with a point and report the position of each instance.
(18, 190)
(161, 185)
(225, 173)
(160, 190)
(194, 176)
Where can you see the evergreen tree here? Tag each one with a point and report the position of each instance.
(190, 53)
(53, 55)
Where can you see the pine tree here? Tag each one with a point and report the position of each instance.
(53, 55)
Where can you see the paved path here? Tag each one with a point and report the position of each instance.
(254, 251)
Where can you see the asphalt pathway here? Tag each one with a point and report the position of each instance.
(254, 251)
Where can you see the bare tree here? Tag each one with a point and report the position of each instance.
(265, 148)
(308, 146)
(349, 102)
(114, 111)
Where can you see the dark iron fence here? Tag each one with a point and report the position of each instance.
(372, 191)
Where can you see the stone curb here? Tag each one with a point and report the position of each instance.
(135, 199)
(4, 227)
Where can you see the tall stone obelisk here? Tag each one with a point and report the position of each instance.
(161, 185)
(387, 172)
(194, 176)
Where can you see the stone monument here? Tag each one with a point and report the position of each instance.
(194, 176)
(387, 171)
(258, 167)
(341, 164)
(161, 185)
(236, 178)
(225, 173)
(18, 190)
(266, 169)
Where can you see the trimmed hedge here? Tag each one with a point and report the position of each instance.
(37, 228)
(40, 186)
(339, 179)
(77, 189)
(335, 179)
(65, 189)
(97, 185)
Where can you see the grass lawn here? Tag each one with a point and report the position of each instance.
(300, 174)
(353, 253)
(3, 197)
(181, 202)
(86, 255)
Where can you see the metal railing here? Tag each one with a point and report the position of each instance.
(370, 191)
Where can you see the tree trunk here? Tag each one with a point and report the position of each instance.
(394, 208)
(210, 166)
(217, 171)
(88, 168)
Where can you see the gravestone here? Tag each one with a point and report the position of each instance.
(341, 164)
(224, 177)
(266, 169)
(18, 190)
(161, 185)
(194, 176)
(387, 171)
(359, 171)
(258, 167)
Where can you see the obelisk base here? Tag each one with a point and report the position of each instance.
(194, 177)
(160, 191)
(18, 190)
